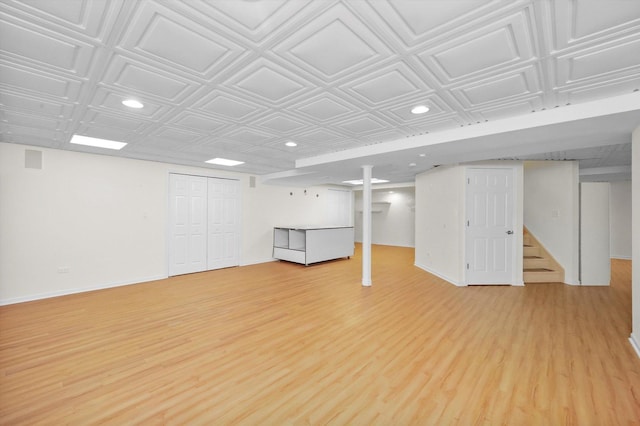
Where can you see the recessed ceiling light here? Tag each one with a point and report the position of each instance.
(360, 181)
(412, 164)
(420, 109)
(224, 162)
(132, 103)
(99, 143)
(291, 144)
(422, 155)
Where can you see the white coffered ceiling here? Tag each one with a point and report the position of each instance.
(239, 78)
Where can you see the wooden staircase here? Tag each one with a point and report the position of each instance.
(538, 265)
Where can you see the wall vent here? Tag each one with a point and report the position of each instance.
(32, 159)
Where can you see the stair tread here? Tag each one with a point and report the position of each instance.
(537, 267)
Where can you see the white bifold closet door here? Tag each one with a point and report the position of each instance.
(223, 224)
(188, 223)
(203, 223)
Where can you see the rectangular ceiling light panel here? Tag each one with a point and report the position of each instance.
(99, 143)
(360, 182)
(224, 162)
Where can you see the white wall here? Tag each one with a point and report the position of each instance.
(266, 206)
(620, 216)
(439, 231)
(551, 209)
(105, 220)
(595, 254)
(392, 224)
(635, 239)
(340, 205)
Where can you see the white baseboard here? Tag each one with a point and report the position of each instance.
(389, 244)
(47, 295)
(441, 276)
(257, 262)
(621, 257)
(452, 281)
(635, 344)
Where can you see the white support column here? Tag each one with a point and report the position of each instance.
(366, 225)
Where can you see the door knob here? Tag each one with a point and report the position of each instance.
(509, 232)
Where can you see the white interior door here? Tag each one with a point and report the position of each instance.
(223, 224)
(489, 231)
(187, 216)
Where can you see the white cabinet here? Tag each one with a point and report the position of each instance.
(312, 244)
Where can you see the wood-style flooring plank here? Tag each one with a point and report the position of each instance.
(284, 344)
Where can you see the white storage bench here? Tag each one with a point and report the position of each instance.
(307, 245)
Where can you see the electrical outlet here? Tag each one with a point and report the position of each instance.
(63, 269)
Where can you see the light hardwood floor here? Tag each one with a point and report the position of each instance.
(280, 343)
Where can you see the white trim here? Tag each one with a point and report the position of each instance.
(443, 277)
(620, 257)
(67, 292)
(634, 344)
(390, 245)
(167, 223)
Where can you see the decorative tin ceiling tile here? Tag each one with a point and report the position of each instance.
(227, 107)
(222, 77)
(269, 82)
(324, 108)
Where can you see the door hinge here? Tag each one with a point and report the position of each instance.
(467, 223)
(467, 266)
(468, 181)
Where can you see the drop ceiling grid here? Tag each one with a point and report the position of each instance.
(505, 43)
(196, 121)
(29, 104)
(242, 76)
(38, 82)
(610, 155)
(84, 61)
(89, 21)
(569, 46)
(40, 47)
(99, 117)
(158, 34)
(257, 23)
(109, 100)
(386, 85)
(576, 27)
